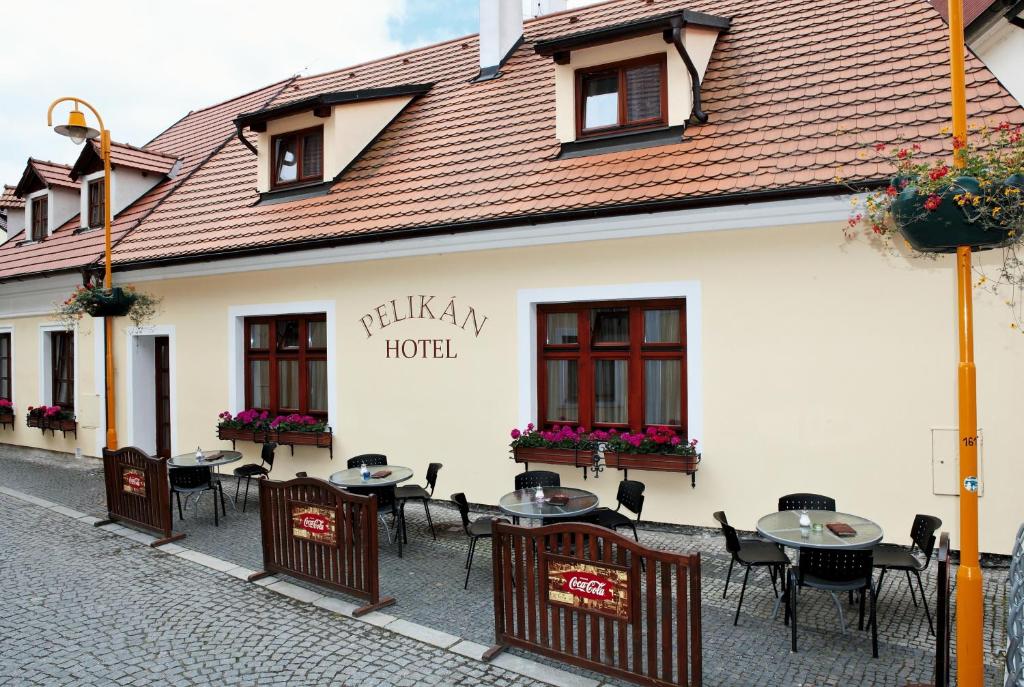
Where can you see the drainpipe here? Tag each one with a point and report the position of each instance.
(245, 141)
(678, 25)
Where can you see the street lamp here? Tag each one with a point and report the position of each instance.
(78, 131)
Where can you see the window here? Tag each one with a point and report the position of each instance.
(40, 218)
(624, 95)
(298, 157)
(620, 364)
(5, 366)
(62, 366)
(286, 364)
(96, 200)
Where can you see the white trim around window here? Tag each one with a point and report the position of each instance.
(236, 351)
(9, 329)
(526, 338)
(46, 374)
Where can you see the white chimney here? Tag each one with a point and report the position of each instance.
(542, 7)
(501, 27)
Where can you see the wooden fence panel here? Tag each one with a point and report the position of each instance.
(598, 600)
(138, 492)
(314, 531)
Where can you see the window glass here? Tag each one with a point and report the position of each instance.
(288, 384)
(40, 211)
(259, 336)
(287, 334)
(611, 391)
(661, 326)
(643, 92)
(285, 159)
(62, 347)
(563, 391)
(610, 325)
(259, 371)
(5, 366)
(600, 100)
(96, 200)
(317, 334)
(662, 396)
(562, 328)
(312, 154)
(318, 385)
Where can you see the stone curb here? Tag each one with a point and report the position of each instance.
(422, 633)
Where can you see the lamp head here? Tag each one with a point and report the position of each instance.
(76, 129)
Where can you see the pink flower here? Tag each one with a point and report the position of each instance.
(580, 430)
(515, 434)
(676, 441)
(529, 427)
(693, 442)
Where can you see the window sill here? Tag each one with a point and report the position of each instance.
(296, 192)
(627, 140)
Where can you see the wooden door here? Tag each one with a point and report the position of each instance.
(162, 366)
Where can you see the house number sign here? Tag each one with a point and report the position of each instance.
(421, 307)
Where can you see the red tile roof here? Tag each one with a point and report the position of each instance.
(9, 200)
(795, 91)
(123, 155)
(49, 173)
(972, 9)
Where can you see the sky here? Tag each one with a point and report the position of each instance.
(145, 64)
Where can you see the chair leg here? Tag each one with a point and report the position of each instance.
(743, 589)
(874, 625)
(771, 571)
(223, 508)
(469, 566)
(850, 600)
(839, 607)
(791, 592)
(238, 487)
(727, 576)
(181, 513)
(927, 612)
(878, 585)
(910, 583)
(245, 501)
(635, 536)
(216, 516)
(426, 509)
(860, 622)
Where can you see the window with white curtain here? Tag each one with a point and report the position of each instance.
(286, 364)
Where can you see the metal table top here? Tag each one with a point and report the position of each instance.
(784, 528)
(523, 504)
(352, 477)
(188, 460)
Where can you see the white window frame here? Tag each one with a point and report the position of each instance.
(148, 391)
(526, 338)
(236, 347)
(29, 200)
(46, 373)
(83, 204)
(9, 329)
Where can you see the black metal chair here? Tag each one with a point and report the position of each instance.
(532, 479)
(833, 570)
(253, 470)
(807, 502)
(387, 502)
(750, 553)
(475, 530)
(370, 459)
(893, 557)
(631, 497)
(195, 479)
(414, 492)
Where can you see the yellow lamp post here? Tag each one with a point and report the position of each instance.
(969, 608)
(78, 131)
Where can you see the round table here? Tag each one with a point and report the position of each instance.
(188, 460)
(522, 504)
(784, 528)
(352, 477)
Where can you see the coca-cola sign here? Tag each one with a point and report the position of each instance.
(133, 481)
(601, 588)
(314, 523)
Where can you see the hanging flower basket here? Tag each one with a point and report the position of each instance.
(97, 301)
(113, 303)
(941, 221)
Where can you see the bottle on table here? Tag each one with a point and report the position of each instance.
(364, 472)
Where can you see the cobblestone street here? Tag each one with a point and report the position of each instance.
(85, 617)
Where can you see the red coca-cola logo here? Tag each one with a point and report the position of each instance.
(587, 585)
(313, 522)
(135, 481)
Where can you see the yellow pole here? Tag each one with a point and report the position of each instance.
(969, 608)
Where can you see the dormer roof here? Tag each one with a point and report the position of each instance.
(9, 200)
(123, 155)
(40, 174)
(644, 26)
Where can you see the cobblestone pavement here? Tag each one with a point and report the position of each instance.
(428, 585)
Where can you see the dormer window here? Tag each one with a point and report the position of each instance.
(624, 95)
(40, 218)
(298, 157)
(95, 210)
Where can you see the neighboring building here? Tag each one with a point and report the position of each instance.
(12, 213)
(620, 215)
(994, 31)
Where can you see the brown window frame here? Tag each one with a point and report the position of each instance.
(635, 351)
(299, 155)
(40, 220)
(623, 125)
(5, 367)
(273, 355)
(62, 341)
(96, 199)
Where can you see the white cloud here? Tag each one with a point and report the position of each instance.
(145, 64)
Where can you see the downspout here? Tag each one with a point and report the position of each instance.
(678, 25)
(245, 141)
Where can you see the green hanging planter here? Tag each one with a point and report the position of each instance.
(946, 227)
(113, 303)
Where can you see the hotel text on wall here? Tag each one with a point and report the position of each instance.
(413, 307)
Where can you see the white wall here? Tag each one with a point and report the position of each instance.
(15, 221)
(64, 204)
(1001, 48)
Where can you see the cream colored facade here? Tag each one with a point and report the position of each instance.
(814, 365)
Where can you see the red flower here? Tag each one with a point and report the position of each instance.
(891, 191)
(902, 154)
(877, 228)
(1003, 126)
(938, 172)
(958, 142)
(933, 202)
(879, 147)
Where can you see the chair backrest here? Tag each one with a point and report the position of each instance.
(267, 453)
(836, 565)
(807, 502)
(537, 478)
(922, 533)
(386, 501)
(732, 541)
(369, 458)
(189, 477)
(631, 496)
(432, 471)
(463, 505)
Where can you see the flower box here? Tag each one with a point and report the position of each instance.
(53, 424)
(7, 419)
(233, 434)
(289, 438)
(33, 421)
(551, 456)
(113, 303)
(323, 439)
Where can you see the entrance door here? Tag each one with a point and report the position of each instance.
(162, 366)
